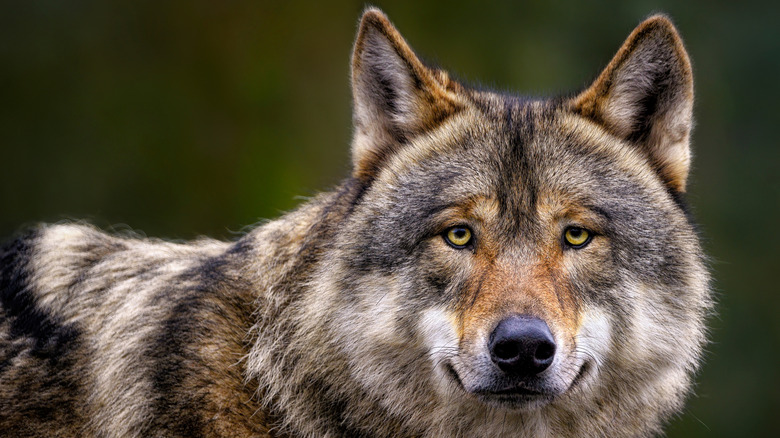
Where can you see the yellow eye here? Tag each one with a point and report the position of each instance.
(577, 237)
(458, 237)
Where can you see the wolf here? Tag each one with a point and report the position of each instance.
(494, 266)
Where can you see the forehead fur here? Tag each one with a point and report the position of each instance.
(518, 151)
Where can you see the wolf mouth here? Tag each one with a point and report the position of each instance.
(454, 375)
(513, 391)
(517, 393)
(509, 393)
(580, 374)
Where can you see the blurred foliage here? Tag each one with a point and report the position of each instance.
(182, 118)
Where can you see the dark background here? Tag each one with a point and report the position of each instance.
(184, 118)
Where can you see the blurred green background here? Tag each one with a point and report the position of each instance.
(184, 118)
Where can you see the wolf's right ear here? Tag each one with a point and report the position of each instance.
(645, 96)
(395, 96)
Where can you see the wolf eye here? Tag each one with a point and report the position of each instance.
(576, 237)
(458, 237)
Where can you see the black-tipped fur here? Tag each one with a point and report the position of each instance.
(353, 317)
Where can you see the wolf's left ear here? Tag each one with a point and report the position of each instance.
(645, 96)
(396, 97)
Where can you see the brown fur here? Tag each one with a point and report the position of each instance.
(355, 316)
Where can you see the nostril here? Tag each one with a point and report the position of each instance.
(545, 351)
(506, 350)
(522, 345)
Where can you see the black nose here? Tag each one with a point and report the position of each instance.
(522, 345)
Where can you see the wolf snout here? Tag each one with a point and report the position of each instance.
(522, 346)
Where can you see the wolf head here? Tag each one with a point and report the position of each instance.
(508, 265)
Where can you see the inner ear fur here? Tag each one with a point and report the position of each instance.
(645, 97)
(395, 96)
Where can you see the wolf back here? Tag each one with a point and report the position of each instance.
(493, 266)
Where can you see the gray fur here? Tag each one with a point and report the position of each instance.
(352, 316)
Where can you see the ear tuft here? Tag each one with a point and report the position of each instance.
(645, 96)
(395, 95)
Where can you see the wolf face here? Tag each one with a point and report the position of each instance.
(512, 264)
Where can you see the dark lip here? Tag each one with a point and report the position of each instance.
(454, 376)
(513, 392)
(580, 374)
(507, 392)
